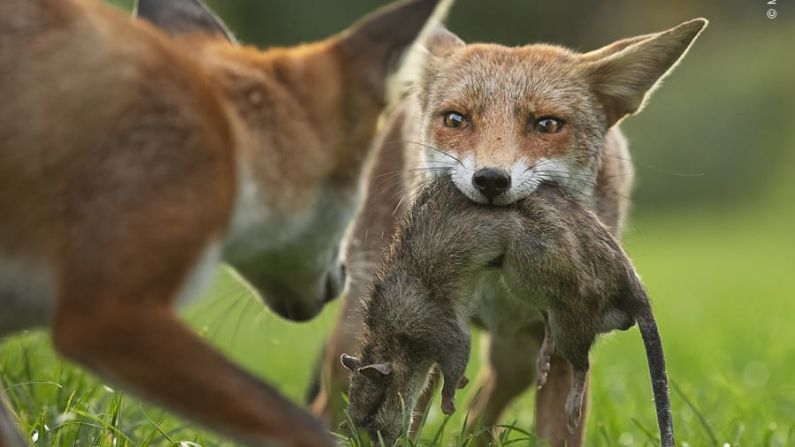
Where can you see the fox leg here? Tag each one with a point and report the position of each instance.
(328, 403)
(135, 340)
(131, 337)
(551, 423)
(9, 436)
(148, 350)
(562, 404)
(134, 239)
(509, 370)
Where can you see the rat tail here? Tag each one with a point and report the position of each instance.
(659, 378)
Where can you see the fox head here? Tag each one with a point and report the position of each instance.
(500, 121)
(304, 118)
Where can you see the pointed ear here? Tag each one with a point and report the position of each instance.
(625, 73)
(350, 362)
(182, 16)
(376, 371)
(614, 47)
(377, 43)
(440, 42)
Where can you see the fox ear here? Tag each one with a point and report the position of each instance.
(625, 73)
(378, 42)
(614, 47)
(182, 16)
(440, 42)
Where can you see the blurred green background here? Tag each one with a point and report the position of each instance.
(712, 232)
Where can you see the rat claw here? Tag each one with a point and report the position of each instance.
(463, 382)
(448, 406)
(542, 380)
(544, 367)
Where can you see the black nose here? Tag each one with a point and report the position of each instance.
(335, 283)
(491, 182)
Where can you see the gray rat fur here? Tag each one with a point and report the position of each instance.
(547, 251)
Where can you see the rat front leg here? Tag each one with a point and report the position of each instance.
(544, 359)
(452, 383)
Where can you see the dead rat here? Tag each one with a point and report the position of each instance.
(550, 254)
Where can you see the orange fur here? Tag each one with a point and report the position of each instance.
(133, 158)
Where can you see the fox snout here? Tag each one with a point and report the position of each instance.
(298, 290)
(335, 282)
(491, 182)
(299, 306)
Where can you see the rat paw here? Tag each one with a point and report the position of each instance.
(452, 383)
(448, 405)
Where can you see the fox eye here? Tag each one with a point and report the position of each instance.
(454, 120)
(548, 124)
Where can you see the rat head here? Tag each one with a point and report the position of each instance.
(499, 121)
(383, 392)
(303, 120)
(406, 334)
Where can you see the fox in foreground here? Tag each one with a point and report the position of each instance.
(552, 256)
(135, 155)
(497, 122)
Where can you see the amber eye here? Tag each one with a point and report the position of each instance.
(454, 120)
(548, 124)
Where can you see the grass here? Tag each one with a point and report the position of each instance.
(724, 294)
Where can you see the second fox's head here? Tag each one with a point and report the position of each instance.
(501, 120)
(304, 118)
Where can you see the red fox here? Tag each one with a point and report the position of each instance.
(498, 122)
(137, 154)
